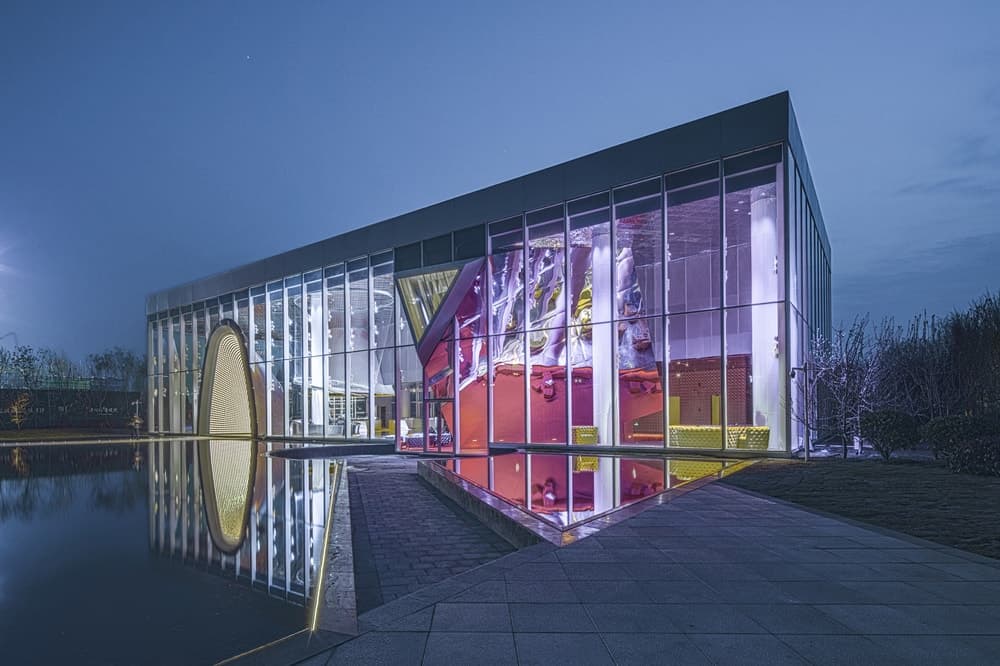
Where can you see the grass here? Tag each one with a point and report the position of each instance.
(919, 498)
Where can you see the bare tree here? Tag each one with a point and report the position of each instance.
(846, 375)
(26, 365)
(6, 366)
(19, 409)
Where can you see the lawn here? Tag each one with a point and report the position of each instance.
(920, 498)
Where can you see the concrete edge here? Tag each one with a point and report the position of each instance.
(338, 611)
(480, 506)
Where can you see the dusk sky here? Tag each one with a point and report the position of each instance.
(147, 144)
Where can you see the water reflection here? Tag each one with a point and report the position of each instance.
(270, 512)
(104, 551)
(565, 490)
(37, 481)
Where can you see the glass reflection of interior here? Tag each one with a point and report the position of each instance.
(565, 490)
(651, 314)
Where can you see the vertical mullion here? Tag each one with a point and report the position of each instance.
(526, 324)
(567, 346)
(723, 286)
(615, 434)
(289, 532)
(664, 321)
(455, 405)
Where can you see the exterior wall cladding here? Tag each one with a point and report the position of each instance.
(652, 294)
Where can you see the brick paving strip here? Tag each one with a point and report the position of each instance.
(718, 575)
(405, 535)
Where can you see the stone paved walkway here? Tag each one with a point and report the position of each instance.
(716, 576)
(405, 535)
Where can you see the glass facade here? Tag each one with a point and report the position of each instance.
(290, 501)
(665, 312)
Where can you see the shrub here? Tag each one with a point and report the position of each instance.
(946, 432)
(889, 431)
(975, 456)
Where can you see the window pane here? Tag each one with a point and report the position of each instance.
(640, 388)
(410, 424)
(508, 388)
(258, 376)
(315, 408)
(259, 333)
(383, 295)
(694, 239)
(422, 295)
(694, 406)
(590, 260)
(546, 268)
(358, 277)
(295, 396)
(277, 322)
(507, 281)
(336, 387)
(314, 329)
(358, 398)
(384, 391)
(548, 386)
(277, 400)
(754, 261)
(593, 395)
(473, 372)
(754, 377)
(335, 309)
(638, 250)
(294, 312)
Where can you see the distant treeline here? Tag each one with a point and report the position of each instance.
(43, 388)
(25, 367)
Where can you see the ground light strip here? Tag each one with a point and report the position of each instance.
(319, 583)
(321, 574)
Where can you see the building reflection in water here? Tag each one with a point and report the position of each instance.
(567, 489)
(280, 550)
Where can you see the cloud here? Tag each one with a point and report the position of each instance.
(937, 279)
(966, 186)
(976, 150)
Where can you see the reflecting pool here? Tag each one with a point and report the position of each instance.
(113, 554)
(565, 490)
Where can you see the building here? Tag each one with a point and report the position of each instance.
(653, 294)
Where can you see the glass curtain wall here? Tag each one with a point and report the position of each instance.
(652, 314)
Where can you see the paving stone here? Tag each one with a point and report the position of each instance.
(471, 617)
(654, 649)
(631, 618)
(489, 591)
(743, 649)
(709, 619)
(793, 619)
(481, 648)
(610, 591)
(874, 619)
(548, 649)
(840, 650)
(550, 617)
(541, 591)
(378, 648)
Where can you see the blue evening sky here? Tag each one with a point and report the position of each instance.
(147, 144)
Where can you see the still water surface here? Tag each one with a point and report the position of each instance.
(106, 556)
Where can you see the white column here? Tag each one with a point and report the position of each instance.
(764, 258)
